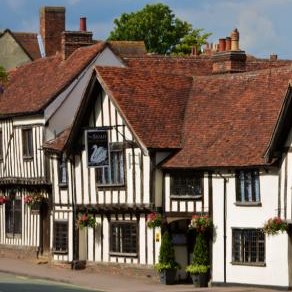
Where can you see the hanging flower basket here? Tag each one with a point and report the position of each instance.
(274, 225)
(201, 224)
(3, 200)
(34, 201)
(154, 220)
(85, 220)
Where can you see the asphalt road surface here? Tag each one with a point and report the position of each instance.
(14, 283)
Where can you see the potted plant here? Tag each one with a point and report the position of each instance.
(274, 225)
(166, 266)
(154, 220)
(199, 268)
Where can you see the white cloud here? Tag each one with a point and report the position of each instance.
(73, 2)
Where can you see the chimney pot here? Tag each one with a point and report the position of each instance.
(228, 44)
(273, 57)
(222, 45)
(83, 24)
(235, 40)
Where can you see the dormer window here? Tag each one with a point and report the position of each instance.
(187, 185)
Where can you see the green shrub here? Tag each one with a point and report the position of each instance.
(201, 251)
(197, 269)
(166, 259)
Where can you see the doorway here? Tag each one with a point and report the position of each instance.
(44, 229)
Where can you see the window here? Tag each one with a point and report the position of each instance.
(1, 145)
(13, 217)
(114, 173)
(187, 185)
(63, 175)
(248, 246)
(27, 143)
(61, 237)
(248, 186)
(123, 237)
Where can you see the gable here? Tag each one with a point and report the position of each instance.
(11, 53)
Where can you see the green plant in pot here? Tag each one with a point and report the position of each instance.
(199, 268)
(166, 266)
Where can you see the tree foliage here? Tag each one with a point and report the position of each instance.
(160, 30)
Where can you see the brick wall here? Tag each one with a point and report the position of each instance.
(52, 24)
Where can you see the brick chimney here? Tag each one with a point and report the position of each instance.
(52, 24)
(72, 40)
(231, 59)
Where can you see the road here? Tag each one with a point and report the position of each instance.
(9, 283)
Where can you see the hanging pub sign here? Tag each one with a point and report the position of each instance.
(97, 148)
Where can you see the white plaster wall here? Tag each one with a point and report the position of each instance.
(275, 273)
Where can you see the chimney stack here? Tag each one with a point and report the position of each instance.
(52, 24)
(83, 24)
(72, 40)
(231, 59)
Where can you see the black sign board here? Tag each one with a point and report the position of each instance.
(97, 149)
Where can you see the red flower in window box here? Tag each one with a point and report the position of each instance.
(154, 220)
(201, 223)
(274, 225)
(34, 200)
(3, 200)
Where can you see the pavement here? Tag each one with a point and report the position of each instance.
(105, 281)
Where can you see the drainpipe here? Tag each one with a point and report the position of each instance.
(75, 252)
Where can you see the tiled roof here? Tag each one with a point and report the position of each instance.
(229, 119)
(57, 144)
(153, 103)
(29, 42)
(174, 65)
(34, 85)
(128, 48)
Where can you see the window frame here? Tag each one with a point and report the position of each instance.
(121, 239)
(14, 229)
(27, 143)
(260, 239)
(242, 185)
(198, 175)
(56, 240)
(118, 148)
(62, 166)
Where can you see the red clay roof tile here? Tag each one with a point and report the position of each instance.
(34, 85)
(152, 102)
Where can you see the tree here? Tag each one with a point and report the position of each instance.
(158, 27)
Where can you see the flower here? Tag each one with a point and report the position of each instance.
(154, 220)
(85, 220)
(201, 224)
(3, 200)
(274, 225)
(33, 199)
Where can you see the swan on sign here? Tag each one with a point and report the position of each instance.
(98, 155)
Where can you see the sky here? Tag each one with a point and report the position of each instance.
(264, 25)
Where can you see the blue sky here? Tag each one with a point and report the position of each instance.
(264, 25)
